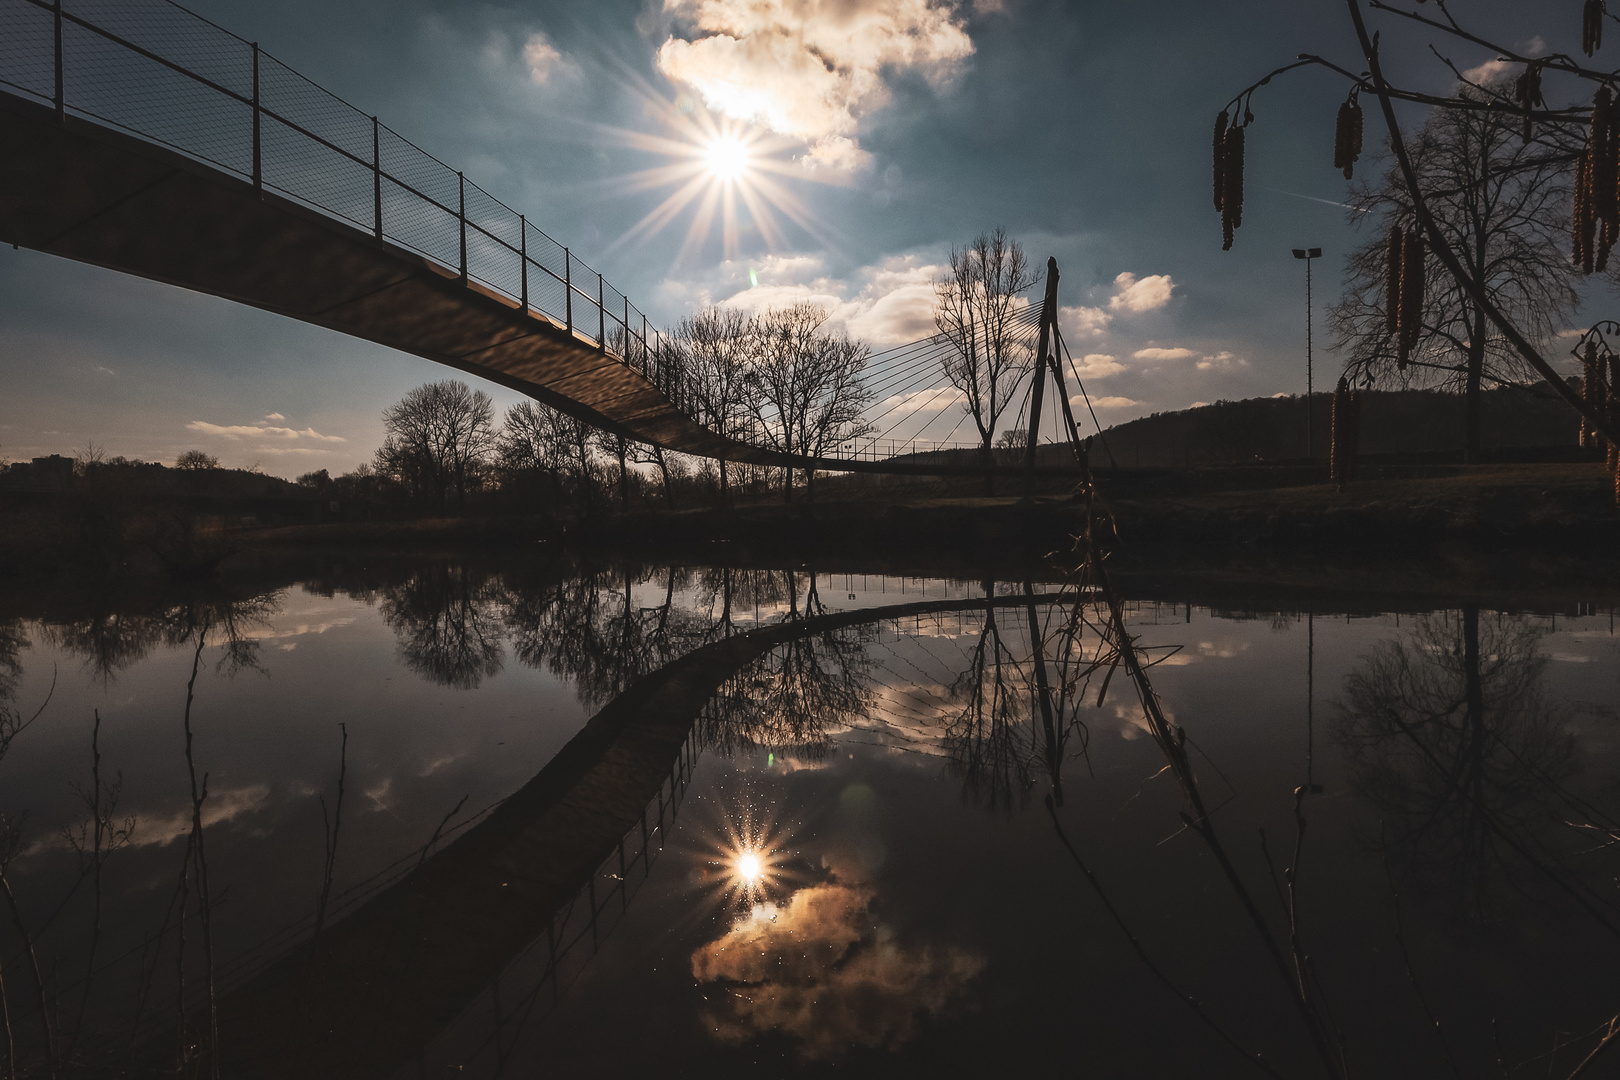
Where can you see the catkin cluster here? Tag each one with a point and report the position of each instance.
(1346, 433)
(1593, 392)
(1527, 92)
(1347, 136)
(1228, 177)
(1592, 26)
(1596, 217)
(1403, 295)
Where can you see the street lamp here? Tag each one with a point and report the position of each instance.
(1308, 254)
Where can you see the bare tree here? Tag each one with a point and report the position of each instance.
(1503, 204)
(805, 390)
(439, 437)
(713, 346)
(540, 443)
(196, 460)
(976, 304)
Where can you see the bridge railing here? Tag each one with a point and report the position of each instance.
(171, 77)
(167, 75)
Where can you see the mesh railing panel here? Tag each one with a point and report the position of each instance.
(300, 102)
(311, 172)
(109, 82)
(176, 35)
(27, 48)
(420, 226)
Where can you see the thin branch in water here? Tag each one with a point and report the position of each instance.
(434, 839)
(10, 845)
(331, 829)
(1411, 975)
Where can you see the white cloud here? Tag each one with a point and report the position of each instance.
(890, 303)
(1083, 321)
(1079, 402)
(1198, 405)
(1136, 295)
(107, 371)
(1098, 366)
(223, 804)
(1490, 69)
(810, 69)
(1128, 295)
(1155, 353)
(1221, 361)
(542, 57)
(274, 416)
(259, 431)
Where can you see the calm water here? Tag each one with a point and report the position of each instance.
(852, 865)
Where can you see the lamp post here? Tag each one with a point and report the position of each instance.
(1308, 254)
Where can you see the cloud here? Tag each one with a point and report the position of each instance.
(274, 416)
(259, 431)
(1164, 354)
(1488, 71)
(810, 69)
(1079, 402)
(1128, 295)
(223, 805)
(1136, 295)
(820, 971)
(1098, 366)
(107, 371)
(1221, 361)
(889, 303)
(542, 57)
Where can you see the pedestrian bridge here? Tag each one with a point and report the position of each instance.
(145, 139)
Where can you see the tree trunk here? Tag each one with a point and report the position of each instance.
(1476, 369)
(663, 468)
(988, 454)
(787, 487)
(725, 492)
(624, 479)
(810, 485)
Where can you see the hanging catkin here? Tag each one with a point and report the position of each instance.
(1231, 184)
(1347, 137)
(1527, 92)
(1340, 448)
(1392, 282)
(1592, 26)
(1581, 220)
(1592, 391)
(1220, 160)
(1411, 304)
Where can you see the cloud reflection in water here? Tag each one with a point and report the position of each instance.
(819, 969)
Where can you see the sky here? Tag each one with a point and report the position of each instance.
(882, 133)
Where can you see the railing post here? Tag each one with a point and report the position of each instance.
(523, 257)
(60, 97)
(462, 178)
(258, 160)
(601, 315)
(376, 178)
(568, 288)
(627, 333)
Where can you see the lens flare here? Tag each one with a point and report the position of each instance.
(728, 159)
(749, 868)
(736, 176)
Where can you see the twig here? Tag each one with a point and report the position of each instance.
(331, 831)
(1187, 999)
(9, 843)
(1608, 1037)
(434, 839)
(199, 794)
(1411, 974)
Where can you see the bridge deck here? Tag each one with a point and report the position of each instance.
(83, 191)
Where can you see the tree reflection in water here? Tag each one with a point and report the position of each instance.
(988, 734)
(1448, 730)
(447, 618)
(796, 697)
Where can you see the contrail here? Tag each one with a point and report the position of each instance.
(1329, 202)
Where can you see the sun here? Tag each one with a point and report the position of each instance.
(728, 159)
(749, 868)
(726, 173)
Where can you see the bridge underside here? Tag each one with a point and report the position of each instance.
(82, 191)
